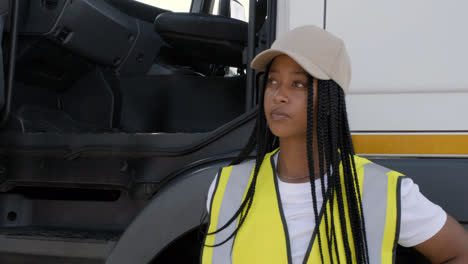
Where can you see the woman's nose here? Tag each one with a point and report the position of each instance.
(280, 95)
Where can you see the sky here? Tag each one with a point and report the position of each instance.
(184, 5)
(174, 5)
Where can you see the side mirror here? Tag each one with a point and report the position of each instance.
(238, 10)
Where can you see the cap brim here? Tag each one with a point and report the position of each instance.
(260, 62)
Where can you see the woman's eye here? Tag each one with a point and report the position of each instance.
(271, 81)
(299, 84)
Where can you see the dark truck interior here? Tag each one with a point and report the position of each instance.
(88, 67)
(103, 104)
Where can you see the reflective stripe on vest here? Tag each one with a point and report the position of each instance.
(227, 198)
(263, 237)
(382, 222)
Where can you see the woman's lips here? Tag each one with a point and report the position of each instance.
(279, 115)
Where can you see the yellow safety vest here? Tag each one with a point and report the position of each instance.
(263, 238)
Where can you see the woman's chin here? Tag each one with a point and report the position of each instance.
(286, 132)
(281, 132)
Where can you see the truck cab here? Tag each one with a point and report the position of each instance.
(117, 114)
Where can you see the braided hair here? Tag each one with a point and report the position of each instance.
(335, 147)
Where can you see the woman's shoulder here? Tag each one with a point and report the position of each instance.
(245, 164)
(360, 161)
(363, 165)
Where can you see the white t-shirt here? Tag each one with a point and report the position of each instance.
(420, 218)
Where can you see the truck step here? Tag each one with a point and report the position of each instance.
(44, 245)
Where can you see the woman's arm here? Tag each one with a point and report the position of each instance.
(449, 245)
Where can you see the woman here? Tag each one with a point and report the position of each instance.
(269, 213)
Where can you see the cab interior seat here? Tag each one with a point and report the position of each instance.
(192, 78)
(192, 87)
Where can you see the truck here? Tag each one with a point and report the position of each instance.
(117, 114)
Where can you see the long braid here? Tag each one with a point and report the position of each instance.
(324, 119)
(321, 123)
(340, 141)
(349, 144)
(351, 197)
(252, 142)
(247, 203)
(260, 138)
(310, 159)
(249, 147)
(335, 162)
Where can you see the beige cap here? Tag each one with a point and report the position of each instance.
(320, 53)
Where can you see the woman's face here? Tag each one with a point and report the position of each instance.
(285, 100)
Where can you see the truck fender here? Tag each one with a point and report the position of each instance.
(172, 212)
